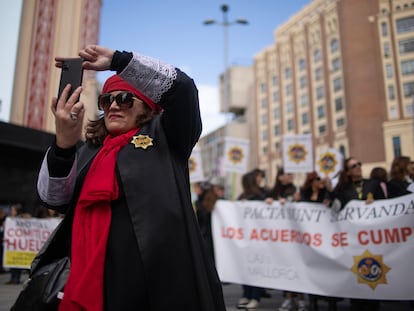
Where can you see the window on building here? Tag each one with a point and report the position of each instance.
(304, 100)
(334, 45)
(407, 67)
(337, 84)
(276, 113)
(396, 145)
(384, 29)
(289, 106)
(391, 92)
(409, 110)
(340, 122)
(405, 24)
(276, 130)
(264, 150)
(318, 74)
(303, 82)
(263, 103)
(305, 118)
(277, 146)
(264, 135)
(322, 129)
(393, 112)
(263, 87)
(264, 119)
(319, 92)
(288, 89)
(290, 124)
(288, 73)
(339, 104)
(406, 46)
(321, 112)
(274, 81)
(336, 64)
(408, 89)
(302, 64)
(388, 70)
(316, 55)
(275, 96)
(387, 50)
(342, 150)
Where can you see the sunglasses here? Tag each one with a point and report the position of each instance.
(124, 100)
(355, 165)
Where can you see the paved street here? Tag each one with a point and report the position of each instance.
(232, 292)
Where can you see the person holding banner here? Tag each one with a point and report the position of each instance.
(251, 191)
(400, 182)
(352, 186)
(284, 189)
(134, 233)
(318, 190)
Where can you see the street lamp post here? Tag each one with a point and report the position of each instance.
(225, 23)
(225, 82)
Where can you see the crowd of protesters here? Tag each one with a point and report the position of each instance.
(349, 184)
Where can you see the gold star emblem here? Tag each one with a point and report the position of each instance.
(327, 163)
(297, 153)
(235, 154)
(370, 269)
(142, 141)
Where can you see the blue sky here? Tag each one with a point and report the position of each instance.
(173, 31)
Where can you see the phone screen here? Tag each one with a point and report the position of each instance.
(72, 72)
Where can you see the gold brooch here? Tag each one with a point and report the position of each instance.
(142, 141)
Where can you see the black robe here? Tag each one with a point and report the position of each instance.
(154, 244)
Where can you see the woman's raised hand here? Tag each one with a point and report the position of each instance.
(96, 57)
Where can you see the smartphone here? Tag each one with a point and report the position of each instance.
(72, 72)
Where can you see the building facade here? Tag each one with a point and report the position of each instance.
(343, 71)
(47, 28)
(50, 28)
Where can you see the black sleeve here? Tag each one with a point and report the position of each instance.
(181, 116)
(120, 60)
(60, 161)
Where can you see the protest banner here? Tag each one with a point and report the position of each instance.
(23, 238)
(236, 155)
(195, 166)
(297, 153)
(363, 251)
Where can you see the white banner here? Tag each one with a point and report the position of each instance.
(297, 153)
(364, 251)
(23, 238)
(236, 155)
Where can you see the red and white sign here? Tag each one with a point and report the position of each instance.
(23, 238)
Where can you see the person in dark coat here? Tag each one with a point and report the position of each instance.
(400, 180)
(134, 233)
(251, 191)
(352, 186)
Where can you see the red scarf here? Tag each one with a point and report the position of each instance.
(84, 288)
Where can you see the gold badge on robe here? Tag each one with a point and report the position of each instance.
(142, 141)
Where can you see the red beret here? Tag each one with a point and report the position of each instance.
(116, 83)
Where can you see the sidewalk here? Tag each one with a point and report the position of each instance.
(232, 292)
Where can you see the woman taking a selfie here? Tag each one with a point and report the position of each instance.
(134, 235)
